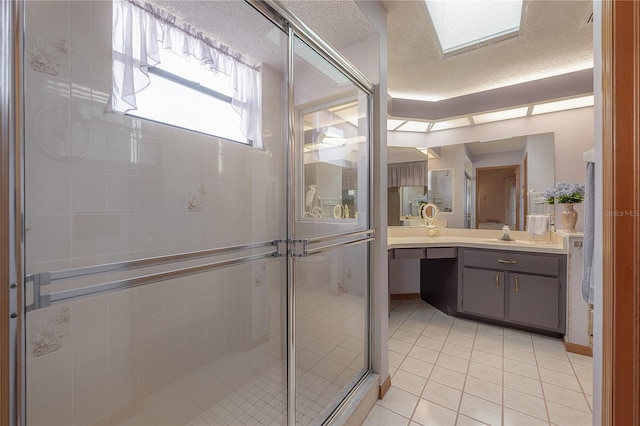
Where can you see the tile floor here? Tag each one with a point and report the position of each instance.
(451, 371)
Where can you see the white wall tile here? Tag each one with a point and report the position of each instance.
(91, 403)
(123, 310)
(90, 361)
(88, 149)
(90, 319)
(88, 192)
(48, 238)
(48, 191)
(150, 158)
(122, 195)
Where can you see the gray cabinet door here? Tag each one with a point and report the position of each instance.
(483, 292)
(534, 301)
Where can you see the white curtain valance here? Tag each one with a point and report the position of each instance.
(141, 29)
(413, 173)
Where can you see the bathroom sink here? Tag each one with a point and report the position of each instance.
(514, 242)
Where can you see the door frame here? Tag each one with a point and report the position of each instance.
(621, 217)
(509, 167)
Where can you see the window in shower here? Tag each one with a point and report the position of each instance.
(184, 94)
(168, 72)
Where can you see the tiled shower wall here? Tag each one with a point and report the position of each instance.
(102, 188)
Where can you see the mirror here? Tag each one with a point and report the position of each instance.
(429, 212)
(532, 157)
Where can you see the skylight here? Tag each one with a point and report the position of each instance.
(464, 25)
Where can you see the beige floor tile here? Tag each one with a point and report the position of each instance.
(554, 364)
(453, 363)
(484, 358)
(399, 346)
(489, 336)
(565, 416)
(442, 394)
(492, 329)
(481, 409)
(490, 347)
(521, 368)
(518, 355)
(587, 385)
(405, 336)
(463, 330)
(566, 397)
(580, 359)
(590, 401)
(523, 384)
(415, 366)
(457, 350)
(525, 403)
(517, 334)
(424, 354)
(435, 332)
(462, 322)
(399, 401)
(568, 381)
(448, 377)
(412, 327)
(380, 416)
(519, 344)
(408, 382)
(490, 374)
(458, 339)
(515, 418)
(395, 359)
(430, 343)
(584, 371)
(551, 351)
(483, 389)
(429, 413)
(467, 421)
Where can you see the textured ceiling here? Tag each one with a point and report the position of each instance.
(555, 39)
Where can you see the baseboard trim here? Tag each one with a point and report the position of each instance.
(403, 296)
(577, 349)
(384, 387)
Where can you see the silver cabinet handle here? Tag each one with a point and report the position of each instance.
(497, 280)
(517, 282)
(508, 262)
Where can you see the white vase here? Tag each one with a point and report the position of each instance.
(569, 218)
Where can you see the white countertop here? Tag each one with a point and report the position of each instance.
(405, 237)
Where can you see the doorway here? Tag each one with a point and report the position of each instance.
(498, 197)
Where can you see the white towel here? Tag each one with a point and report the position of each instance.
(537, 224)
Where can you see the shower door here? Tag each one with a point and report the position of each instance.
(156, 291)
(330, 232)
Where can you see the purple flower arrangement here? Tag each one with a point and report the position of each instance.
(422, 199)
(565, 193)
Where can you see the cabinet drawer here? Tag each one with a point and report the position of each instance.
(535, 263)
(442, 253)
(409, 253)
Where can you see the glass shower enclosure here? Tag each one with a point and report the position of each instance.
(173, 277)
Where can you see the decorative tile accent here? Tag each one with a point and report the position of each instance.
(48, 335)
(46, 56)
(196, 200)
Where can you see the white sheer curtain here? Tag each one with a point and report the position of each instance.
(141, 29)
(413, 173)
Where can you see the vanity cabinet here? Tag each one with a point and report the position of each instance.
(516, 288)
